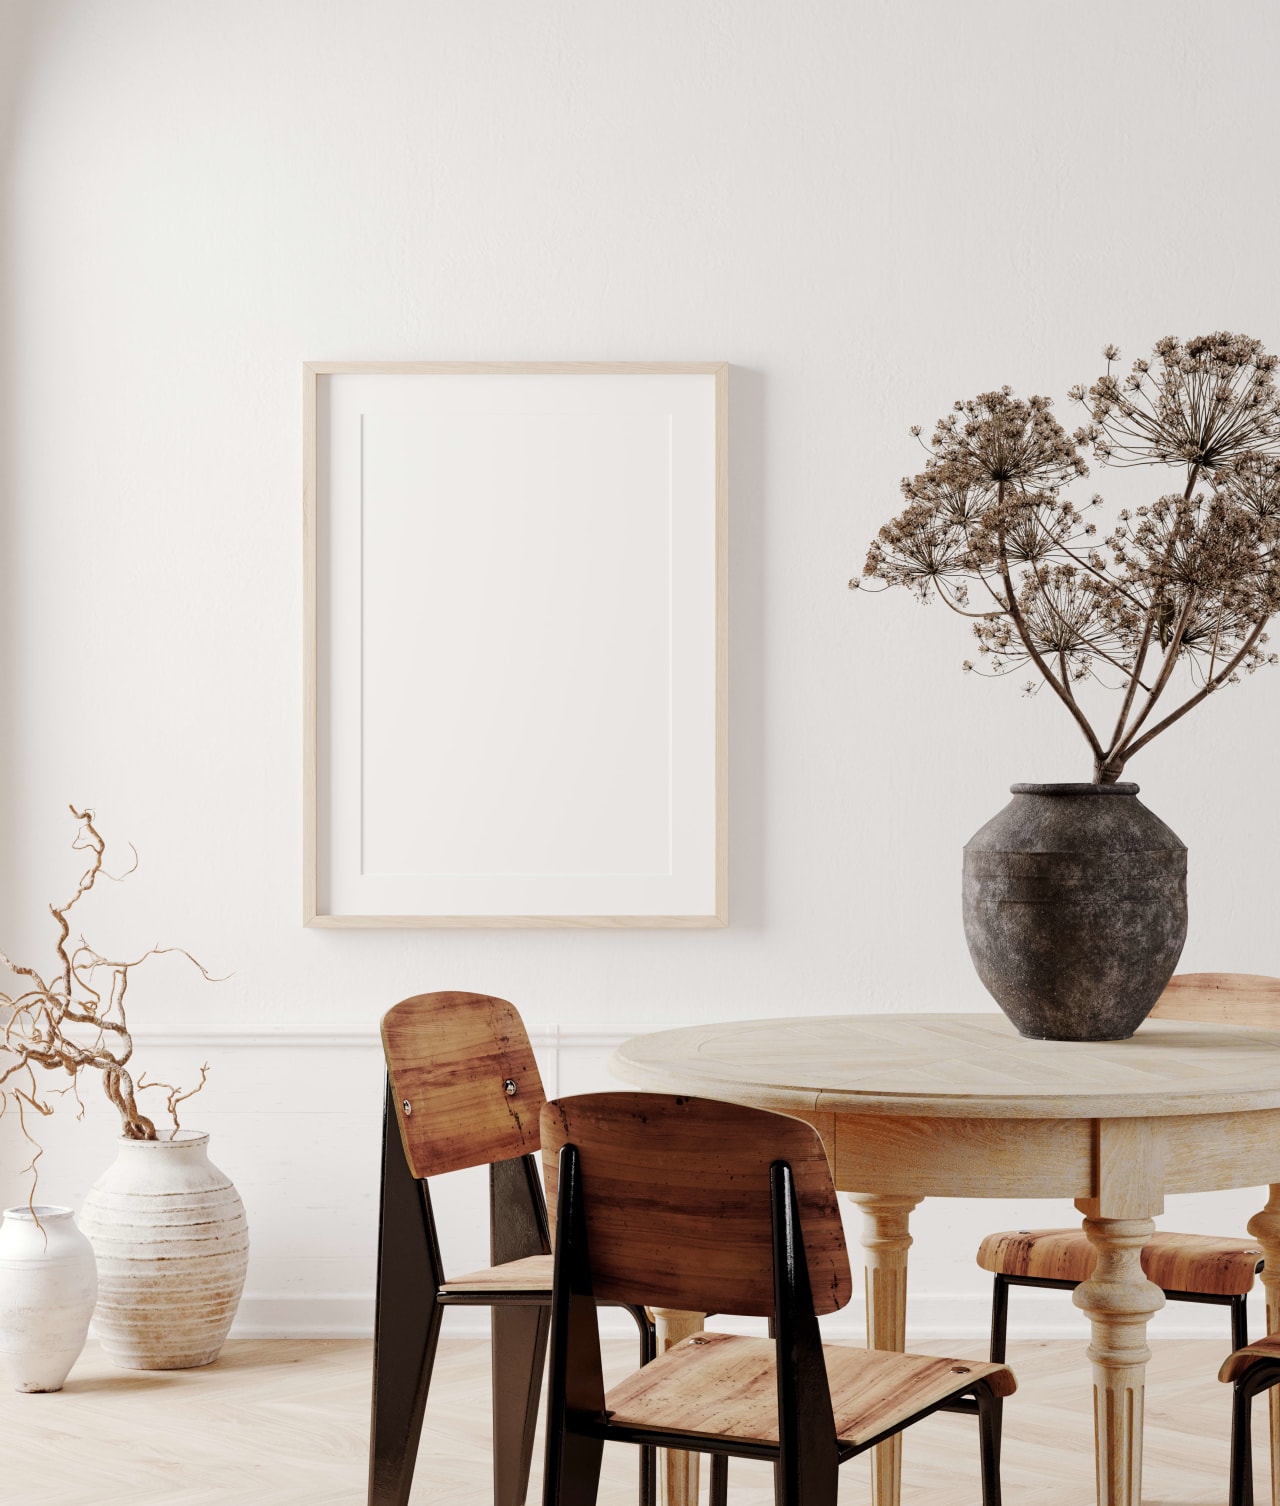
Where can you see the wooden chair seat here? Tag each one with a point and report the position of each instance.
(724, 1385)
(532, 1274)
(1197, 1263)
(1261, 1349)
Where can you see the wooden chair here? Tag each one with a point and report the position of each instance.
(714, 1207)
(463, 1090)
(1250, 1371)
(1187, 1267)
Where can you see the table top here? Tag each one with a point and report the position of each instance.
(959, 1066)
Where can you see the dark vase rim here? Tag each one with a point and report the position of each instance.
(1122, 788)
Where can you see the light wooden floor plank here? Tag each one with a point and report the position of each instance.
(285, 1423)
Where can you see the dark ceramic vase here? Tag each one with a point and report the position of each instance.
(1075, 909)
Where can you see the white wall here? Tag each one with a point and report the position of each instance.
(869, 209)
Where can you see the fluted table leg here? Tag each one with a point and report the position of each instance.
(1119, 1300)
(886, 1240)
(677, 1471)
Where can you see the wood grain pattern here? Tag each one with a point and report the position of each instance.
(1221, 998)
(916, 1156)
(1118, 1301)
(1267, 1348)
(1175, 1262)
(724, 1385)
(285, 1422)
(450, 1057)
(963, 1066)
(676, 1192)
(532, 1274)
(885, 1240)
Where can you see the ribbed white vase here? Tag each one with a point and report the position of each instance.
(172, 1243)
(47, 1288)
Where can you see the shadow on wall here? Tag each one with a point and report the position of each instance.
(17, 18)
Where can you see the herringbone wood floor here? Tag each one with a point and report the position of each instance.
(286, 1421)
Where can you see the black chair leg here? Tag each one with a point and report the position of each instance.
(999, 1337)
(719, 1488)
(1241, 1486)
(406, 1325)
(1239, 1324)
(519, 1348)
(990, 1411)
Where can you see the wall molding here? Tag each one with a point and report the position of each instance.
(961, 1316)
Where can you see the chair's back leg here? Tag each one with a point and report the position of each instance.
(406, 1321)
(1239, 1323)
(517, 1228)
(519, 1346)
(999, 1341)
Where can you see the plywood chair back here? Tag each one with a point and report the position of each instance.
(676, 1193)
(464, 1083)
(1221, 999)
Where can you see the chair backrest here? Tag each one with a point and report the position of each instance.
(677, 1201)
(464, 1082)
(1221, 999)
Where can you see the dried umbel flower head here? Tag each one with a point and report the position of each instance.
(1202, 404)
(1190, 579)
(74, 1021)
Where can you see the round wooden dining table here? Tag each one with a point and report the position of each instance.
(911, 1106)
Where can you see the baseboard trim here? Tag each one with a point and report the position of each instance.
(962, 1316)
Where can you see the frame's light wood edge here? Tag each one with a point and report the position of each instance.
(522, 368)
(311, 914)
(310, 652)
(518, 922)
(722, 643)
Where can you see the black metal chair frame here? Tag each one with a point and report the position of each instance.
(1000, 1318)
(1000, 1307)
(808, 1455)
(1260, 1376)
(410, 1305)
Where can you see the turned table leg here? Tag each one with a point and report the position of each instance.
(1118, 1300)
(886, 1241)
(1265, 1228)
(677, 1471)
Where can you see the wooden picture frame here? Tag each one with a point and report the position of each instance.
(515, 598)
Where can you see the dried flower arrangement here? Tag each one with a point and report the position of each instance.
(1190, 579)
(75, 1021)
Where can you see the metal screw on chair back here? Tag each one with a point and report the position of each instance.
(509, 1087)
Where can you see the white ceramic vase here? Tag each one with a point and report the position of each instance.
(48, 1283)
(172, 1243)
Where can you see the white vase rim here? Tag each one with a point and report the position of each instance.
(39, 1213)
(183, 1140)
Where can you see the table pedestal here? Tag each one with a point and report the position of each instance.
(1119, 1300)
(886, 1242)
(677, 1471)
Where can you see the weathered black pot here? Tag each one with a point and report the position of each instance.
(1075, 909)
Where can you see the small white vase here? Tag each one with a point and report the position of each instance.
(172, 1243)
(48, 1283)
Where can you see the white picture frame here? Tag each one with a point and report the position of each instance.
(515, 584)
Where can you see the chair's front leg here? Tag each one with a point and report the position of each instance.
(406, 1323)
(519, 1349)
(886, 1240)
